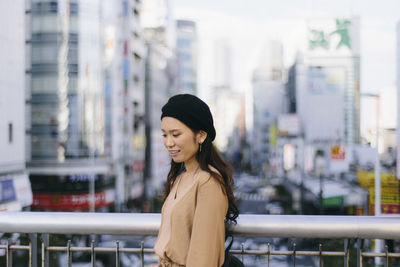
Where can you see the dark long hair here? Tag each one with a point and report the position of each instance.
(210, 156)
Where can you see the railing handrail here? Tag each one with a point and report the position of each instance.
(299, 226)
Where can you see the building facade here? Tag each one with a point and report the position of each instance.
(87, 100)
(125, 53)
(328, 81)
(186, 54)
(398, 99)
(15, 188)
(268, 102)
(160, 84)
(332, 81)
(68, 138)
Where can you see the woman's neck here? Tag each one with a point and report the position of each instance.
(191, 165)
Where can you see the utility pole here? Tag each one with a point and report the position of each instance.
(147, 118)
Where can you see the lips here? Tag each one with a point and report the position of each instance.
(173, 153)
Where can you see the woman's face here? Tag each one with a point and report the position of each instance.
(181, 142)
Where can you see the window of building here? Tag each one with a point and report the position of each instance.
(184, 43)
(10, 132)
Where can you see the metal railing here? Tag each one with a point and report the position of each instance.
(358, 228)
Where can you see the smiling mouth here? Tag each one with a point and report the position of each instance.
(173, 153)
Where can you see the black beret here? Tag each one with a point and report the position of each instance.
(192, 111)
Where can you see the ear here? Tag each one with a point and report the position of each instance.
(201, 136)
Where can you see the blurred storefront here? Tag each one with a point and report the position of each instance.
(71, 192)
(15, 192)
(390, 197)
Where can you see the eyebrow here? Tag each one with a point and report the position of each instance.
(172, 130)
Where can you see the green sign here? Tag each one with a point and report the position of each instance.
(322, 39)
(336, 201)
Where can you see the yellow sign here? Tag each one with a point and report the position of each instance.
(390, 197)
(273, 135)
(367, 179)
(385, 198)
(138, 142)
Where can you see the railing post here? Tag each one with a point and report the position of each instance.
(8, 254)
(346, 252)
(45, 254)
(294, 254)
(387, 256)
(359, 253)
(320, 255)
(34, 249)
(243, 252)
(69, 256)
(117, 254)
(141, 254)
(30, 253)
(92, 254)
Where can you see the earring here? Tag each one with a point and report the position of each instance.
(200, 148)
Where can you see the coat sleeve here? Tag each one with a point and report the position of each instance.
(207, 242)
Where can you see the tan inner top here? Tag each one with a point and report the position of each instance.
(170, 202)
(196, 224)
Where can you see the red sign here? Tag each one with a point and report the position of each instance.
(385, 208)
(71, 202)
(138, 166)
(338, 153)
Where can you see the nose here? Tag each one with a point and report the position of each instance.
(168, 142)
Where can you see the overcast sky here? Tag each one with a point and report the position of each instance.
(248, 23)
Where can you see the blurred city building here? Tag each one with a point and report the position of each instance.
(222, 56)
(160, 83)
(398, 99)
(327, 82)
(15, 188)
(126, 39)
(237, 149)
(82, 102)
(227, 105)
(381, 108)
(227, 108)
(269, 102)
(186, 54)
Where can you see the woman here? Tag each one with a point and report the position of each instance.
(198, 192)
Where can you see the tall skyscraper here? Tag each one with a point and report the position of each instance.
(136, 136)
(160, 83)
(186, 53)
(222, 64)
(332, 78)
(268, 103)
(225, 103)
(84, 105)
(328, 91)
(126, 48)
(68, 138)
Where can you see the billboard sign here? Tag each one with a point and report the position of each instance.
(326, 80)
(389, 191)
(334, 36)
(289, 124)
(72, 202)
(338, 153)
(7, 191)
